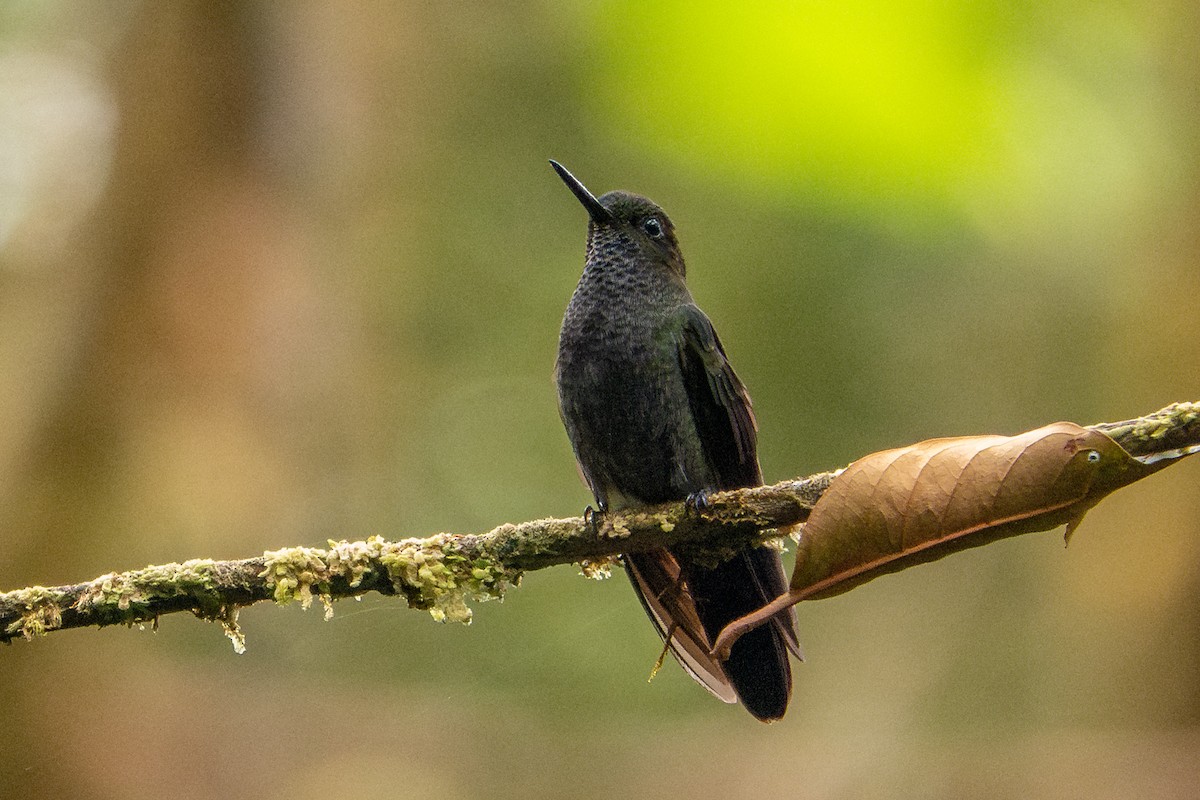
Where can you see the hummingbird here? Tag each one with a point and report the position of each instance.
(655, 413)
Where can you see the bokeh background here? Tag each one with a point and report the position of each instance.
(274, 273)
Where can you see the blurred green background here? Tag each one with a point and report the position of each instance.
(275, 273)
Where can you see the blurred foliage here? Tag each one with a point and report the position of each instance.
(272, 273)
(863, 101)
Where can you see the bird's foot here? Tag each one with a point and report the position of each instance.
(696, 502)
(592, 519)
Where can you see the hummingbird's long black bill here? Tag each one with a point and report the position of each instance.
(597, 212)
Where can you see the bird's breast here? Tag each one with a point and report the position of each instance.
(625, 405)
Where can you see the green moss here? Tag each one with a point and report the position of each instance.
(616, 529)
(431, 574)
(1148, 431)
(598, 569)
(42, 612)
(435, 575)
(129, 596)
(293, 572)
(354, 560)
(114, 591)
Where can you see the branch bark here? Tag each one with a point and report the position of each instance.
(442, 572)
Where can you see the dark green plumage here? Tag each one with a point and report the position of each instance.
(655, 413)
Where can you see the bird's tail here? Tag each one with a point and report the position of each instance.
(694, 603)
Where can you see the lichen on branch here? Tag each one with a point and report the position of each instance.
(434, 574)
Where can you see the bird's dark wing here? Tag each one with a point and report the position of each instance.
(729, 435)
(720, 404)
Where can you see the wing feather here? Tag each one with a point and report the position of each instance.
(720, 404)
(728, 432)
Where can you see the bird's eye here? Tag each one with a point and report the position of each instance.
(653, 228)
(1093, 456)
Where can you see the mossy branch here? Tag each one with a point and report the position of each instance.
(441, 573)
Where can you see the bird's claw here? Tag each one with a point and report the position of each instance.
(591, 519)
(696, 502)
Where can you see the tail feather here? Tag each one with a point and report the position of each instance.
(657, 580)
(698, 602)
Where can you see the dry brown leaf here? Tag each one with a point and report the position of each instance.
(892, 509)
(919, 503)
